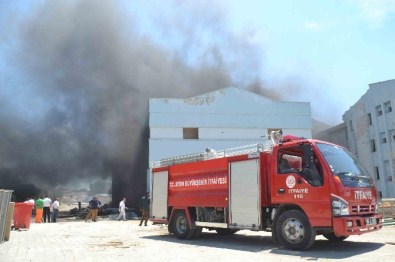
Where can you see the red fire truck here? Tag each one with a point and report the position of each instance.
(296, 188)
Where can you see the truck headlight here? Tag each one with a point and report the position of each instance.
(339, 206)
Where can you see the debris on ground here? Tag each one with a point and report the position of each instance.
(104, 210)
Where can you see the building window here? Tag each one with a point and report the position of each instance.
(379, 111)
(377, 173)
(392, 134)
(190, 133)
(387, 107)
(383, 138)
(370, 119)
(351, 127)
(373, 145)
(380, 194)
(388, 179)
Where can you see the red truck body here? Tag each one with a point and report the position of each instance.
(296, 189)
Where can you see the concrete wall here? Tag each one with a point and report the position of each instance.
(336, 135)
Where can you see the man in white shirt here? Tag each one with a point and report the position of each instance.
(55, 210)
(122, 208)
(47, 209)
(30, 200)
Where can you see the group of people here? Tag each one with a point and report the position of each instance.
(43, 208)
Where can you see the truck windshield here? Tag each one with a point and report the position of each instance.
(344, 165)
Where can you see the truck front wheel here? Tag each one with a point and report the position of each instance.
(181, 227)
(294, 231)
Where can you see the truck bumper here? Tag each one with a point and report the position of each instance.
(356, 225)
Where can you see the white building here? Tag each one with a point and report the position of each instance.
(221, 119)
(371, 134)
(336, 134)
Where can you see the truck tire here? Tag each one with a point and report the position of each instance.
(181, 227)
(294, 231)
(333, 238)
(274, 233)
(225, 231)
(170, 228)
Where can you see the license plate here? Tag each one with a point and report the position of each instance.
(370, 221)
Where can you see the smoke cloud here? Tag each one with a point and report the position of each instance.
(77, 78)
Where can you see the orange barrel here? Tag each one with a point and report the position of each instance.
(22, 215)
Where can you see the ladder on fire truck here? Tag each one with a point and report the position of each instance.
(213, 154)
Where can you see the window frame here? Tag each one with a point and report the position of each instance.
(190, 133)
(373, 145)
(370, 119)
(388, 107)
(379, 110)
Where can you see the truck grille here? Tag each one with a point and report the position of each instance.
(360, 209)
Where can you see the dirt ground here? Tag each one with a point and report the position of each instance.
(105, 240)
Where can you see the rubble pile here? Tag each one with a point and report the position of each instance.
(104, 211)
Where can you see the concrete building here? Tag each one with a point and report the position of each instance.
(337, 135)
(221, 119)
(371, 134)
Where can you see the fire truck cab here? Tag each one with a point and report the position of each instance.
(296, 188)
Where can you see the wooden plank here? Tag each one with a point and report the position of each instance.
(10, 214)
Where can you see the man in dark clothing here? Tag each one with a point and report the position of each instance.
(47, 202)
(94, 205)
(144, 208)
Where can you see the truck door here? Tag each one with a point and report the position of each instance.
(159, 194)
(298, 179)
(244, 195)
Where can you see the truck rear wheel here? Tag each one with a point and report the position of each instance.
(294, 231)
(333, 238)
(225, 231)
(181, 227)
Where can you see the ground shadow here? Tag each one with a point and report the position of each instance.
(322, 249)
(237, 241)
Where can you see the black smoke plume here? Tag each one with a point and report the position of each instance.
(76, 77)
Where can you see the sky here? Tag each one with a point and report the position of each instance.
(76, 76)
(337, 47)
(323, 52)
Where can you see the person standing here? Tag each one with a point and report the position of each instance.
(94, 205)
(122, 210)
(47, 209)
(144, 208)
(55, 210)
(39, 209)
